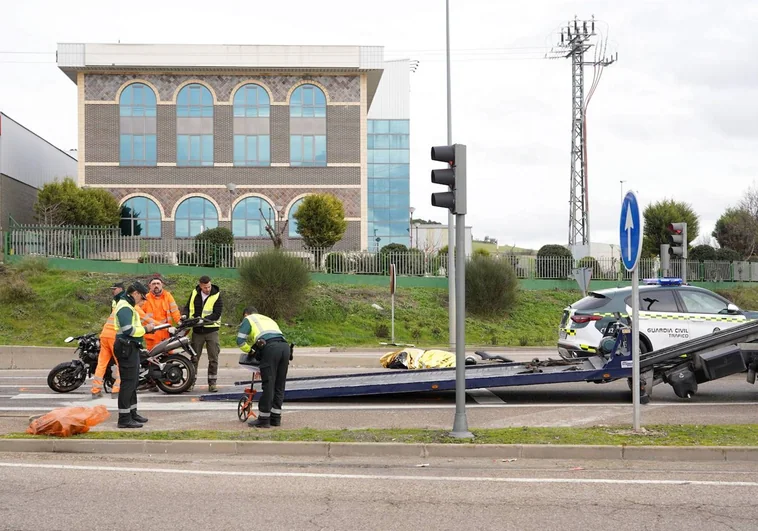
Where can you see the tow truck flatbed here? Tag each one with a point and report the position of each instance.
(683, 359)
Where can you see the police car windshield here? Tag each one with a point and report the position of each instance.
(593, 301)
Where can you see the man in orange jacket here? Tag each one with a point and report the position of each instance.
(162, 308)
(107, 341)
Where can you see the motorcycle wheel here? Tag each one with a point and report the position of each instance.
(65, 378)
(178, 375)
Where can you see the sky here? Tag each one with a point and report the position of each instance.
(676, 117)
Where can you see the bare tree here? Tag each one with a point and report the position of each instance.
(48, 214)
(276, 233)
(750, 201)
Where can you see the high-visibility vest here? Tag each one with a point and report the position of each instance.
(207, 307)
(109, 331)
(136, 323)
(261, 325)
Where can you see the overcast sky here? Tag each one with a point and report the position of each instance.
(675, 117)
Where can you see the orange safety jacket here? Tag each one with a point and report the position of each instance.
(162, 309)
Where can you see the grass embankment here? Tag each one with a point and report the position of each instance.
(683, 435)
(41, 307)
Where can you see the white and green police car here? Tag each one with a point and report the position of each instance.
(670, 313)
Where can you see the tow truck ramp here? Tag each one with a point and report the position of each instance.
(683, 366)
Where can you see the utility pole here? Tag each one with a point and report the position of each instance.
(576, 38)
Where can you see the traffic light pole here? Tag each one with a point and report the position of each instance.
(450, 216)
(460, 423)
(454, 199)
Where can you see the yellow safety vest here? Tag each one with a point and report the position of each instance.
(261, 325)
(136, 323)
(207, 307)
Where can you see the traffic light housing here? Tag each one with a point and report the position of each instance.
(678, 239)
(454, 177)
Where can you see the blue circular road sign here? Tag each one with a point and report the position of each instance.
(630, 231)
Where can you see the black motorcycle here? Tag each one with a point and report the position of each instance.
(70, 375)
(169, 365)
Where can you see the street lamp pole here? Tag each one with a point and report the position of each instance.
(410, 224)
(450, 215)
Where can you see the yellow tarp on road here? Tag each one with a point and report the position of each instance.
(417, 358)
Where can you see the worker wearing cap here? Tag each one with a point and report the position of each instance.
(118, 289)
(129, 341)
(162, 308)
(107, 340)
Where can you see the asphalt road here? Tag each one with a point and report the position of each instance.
(727, 401)
(53, 492)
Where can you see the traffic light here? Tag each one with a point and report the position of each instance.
(678, 239)
(453, 177)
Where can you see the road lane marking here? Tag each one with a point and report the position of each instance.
(186, 406)
(447, 479)
(484, 396)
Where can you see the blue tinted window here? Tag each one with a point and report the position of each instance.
(399, 126)
(194, 101)
(194, 150)
(140, 216)
(308, 101)
(388, 181)
(249, 215)
(193, 216)
(251, 101)
(137, 105)
(292, 221)
(308, 150)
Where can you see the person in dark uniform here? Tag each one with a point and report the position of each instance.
(129, 341)
(262, 335)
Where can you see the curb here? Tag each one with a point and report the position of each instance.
(334, 449)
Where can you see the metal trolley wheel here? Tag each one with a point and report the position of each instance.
(244, 408)
(245, 405)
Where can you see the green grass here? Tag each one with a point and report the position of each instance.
(664, 435)
(73, 303)
(334, 315)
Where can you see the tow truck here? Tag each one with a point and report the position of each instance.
(683, 366)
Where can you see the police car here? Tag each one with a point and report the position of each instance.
(670, 313)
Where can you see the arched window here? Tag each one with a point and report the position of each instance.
(252, 140)
(291, 217)
(140, 216)
(247, 220)
(194, 126)
(194, 215)
(308, 126)
(137, 117)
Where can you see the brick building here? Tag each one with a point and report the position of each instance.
(190, 137)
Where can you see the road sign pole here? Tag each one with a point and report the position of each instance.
(630, 242)
(636, 346)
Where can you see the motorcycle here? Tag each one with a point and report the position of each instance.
(70, 375)
(171, 371)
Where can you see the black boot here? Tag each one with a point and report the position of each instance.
(137, 417)
(260, 422)
(276, 420)
(125, 420)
